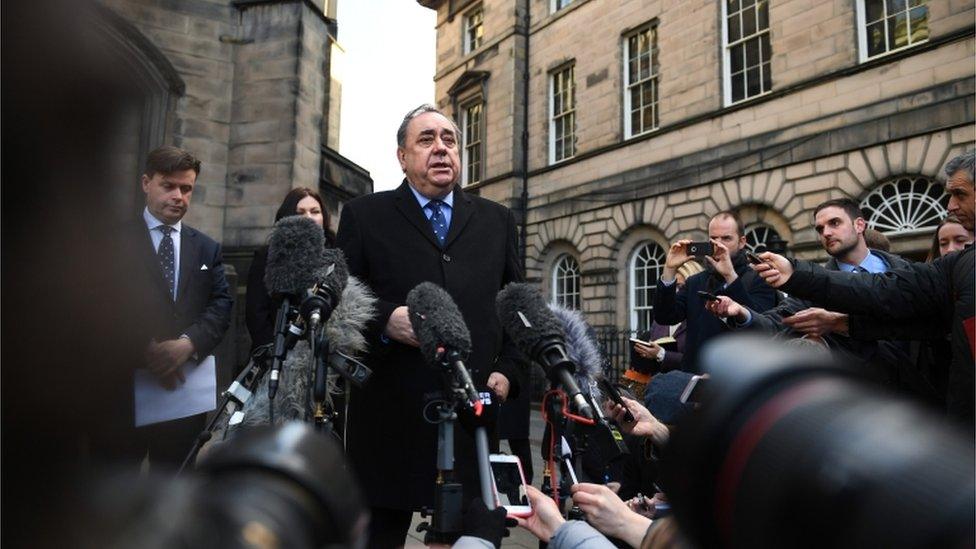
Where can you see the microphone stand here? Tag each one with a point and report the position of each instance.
(232, 401)
(446, 524)
(323, 414)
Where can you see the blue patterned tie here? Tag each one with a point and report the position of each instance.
(438, 221)
(167, 258)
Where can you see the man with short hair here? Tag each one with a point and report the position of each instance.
(842, 230)
(726, 273)
(924, 300)
(183, 294)
(427, 230)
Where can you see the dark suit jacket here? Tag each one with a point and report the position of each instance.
(671, 305)
(389, 244)
(259, 309)
(203, 299)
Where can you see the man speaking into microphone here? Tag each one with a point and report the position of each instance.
(427, 230)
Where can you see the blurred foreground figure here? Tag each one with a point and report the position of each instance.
(787, 450)
(284, 487)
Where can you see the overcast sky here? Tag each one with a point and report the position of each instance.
(386, 70)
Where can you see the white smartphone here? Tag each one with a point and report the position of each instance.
(508, 481)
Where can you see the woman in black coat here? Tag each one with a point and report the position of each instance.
(259, 311)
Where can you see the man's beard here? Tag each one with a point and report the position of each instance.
(844, 250)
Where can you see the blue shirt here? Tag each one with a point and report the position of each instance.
(156, 235)
(872, 263)
(447, 208)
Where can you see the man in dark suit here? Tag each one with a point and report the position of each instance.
(428, 229)
(183, 296)
(726, 272)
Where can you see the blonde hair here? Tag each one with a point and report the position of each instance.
(690, 268)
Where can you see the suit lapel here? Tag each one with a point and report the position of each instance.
(188, 259)
(406, 204)
(462, 213)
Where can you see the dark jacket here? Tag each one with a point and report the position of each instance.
(922, 300)
(673, 355)
(671, 305)
(259, 311)
(389, 244)
(889, 362)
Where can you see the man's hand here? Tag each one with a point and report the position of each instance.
(164, 360)
(606, 512)
(647, 350)
(677, 256)
(498, 383)
(726, 307)
(721, 261)
(817, 322)
(398, 327)
(545, 517)
(775, 269)
(644, 424)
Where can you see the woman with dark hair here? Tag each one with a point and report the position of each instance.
(259, 313)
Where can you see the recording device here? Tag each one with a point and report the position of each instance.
(509, 486)
(708, 296)
(700, 249)
(614, 395)
(693, 390)
(537, 332)
(789, 449)
(753, 258)
(443, 335)
(305, 278)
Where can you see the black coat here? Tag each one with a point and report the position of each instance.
(389, 244)
(259, 309)
(671, 305)
(883, 360)
(924, 300)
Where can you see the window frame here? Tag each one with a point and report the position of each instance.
(653, 79)
(862, 31)
(569, 113)
(554, 279)
(632, 308)
(477, 101)
(556, 5)
(727, 57)
(466, 39)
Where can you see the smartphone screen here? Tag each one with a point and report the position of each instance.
(510, 491)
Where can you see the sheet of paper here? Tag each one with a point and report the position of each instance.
(197, 395)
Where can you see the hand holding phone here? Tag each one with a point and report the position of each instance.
(614, 395)
(708, 296)
(508, 482)
(753, 258)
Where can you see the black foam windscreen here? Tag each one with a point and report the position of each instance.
(296, 259)
(437, 322)
(336, 271)
(526, 317)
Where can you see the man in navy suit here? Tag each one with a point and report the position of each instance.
(185, 301)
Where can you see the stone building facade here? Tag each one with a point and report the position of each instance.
(245, 85)
(615, 128)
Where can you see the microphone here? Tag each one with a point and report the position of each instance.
(538, 333)
(443, 334)
(296, 262)
(321, 299)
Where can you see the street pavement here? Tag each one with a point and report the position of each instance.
(519, 537)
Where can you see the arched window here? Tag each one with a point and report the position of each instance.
(758, 235)
(566, 282)
(645, 269)
(905, 204)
